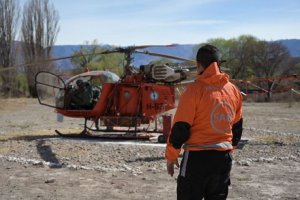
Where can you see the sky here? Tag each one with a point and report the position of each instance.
(160, 22)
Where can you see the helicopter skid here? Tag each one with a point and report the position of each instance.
(124, 136)
(83, 134)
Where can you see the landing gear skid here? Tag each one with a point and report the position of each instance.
(83, 134)
(87, 134)
(111, 133)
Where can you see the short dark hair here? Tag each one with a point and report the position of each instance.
(208, 54)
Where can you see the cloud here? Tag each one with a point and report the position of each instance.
(173, 21)
(200, 22)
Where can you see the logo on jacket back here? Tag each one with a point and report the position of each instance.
(221, 117)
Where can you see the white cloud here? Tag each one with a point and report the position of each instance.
(200, 22)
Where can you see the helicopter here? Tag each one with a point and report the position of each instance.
(118, 107)
(126, 107)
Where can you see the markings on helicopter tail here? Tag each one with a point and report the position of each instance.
(155, 106)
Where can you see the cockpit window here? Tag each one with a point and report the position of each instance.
(84, 91)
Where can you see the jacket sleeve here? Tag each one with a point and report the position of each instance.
(180, 134)
(239, 111)
(237, 130)
(182, 122)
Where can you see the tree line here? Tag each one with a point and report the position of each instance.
(248, 57)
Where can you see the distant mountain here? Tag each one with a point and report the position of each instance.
(64, 51)
(181, 50)
(293, 46)
(184, 51)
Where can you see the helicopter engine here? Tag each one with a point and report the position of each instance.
(165, 73)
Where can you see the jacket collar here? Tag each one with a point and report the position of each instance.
(211, 70)
(213, 76)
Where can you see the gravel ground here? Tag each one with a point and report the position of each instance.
(37, 164)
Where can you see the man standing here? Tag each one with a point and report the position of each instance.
(207, 125)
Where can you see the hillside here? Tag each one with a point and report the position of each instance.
(293, 45)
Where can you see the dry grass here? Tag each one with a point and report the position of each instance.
(277, 139)
(31, 135)
(13, 104)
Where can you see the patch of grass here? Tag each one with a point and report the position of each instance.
(33, 135)
(10, 148)
(21, 126)
(277, 139)
(23, 134)
(5, 150)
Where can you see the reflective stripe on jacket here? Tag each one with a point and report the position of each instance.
(222, 146)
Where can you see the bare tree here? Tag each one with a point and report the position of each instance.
(87, 57)
(269, 58)
(269, 61)
(9, 15)
(86, 54)
(38, 33)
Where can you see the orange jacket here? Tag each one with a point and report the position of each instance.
(210, 105)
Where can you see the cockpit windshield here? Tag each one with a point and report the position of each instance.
(83, 91)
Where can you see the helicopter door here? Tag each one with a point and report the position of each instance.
(50, 89)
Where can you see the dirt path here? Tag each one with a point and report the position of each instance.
(36, 164)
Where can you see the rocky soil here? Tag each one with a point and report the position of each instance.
(37, 164)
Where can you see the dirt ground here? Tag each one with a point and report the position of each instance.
(37, 164)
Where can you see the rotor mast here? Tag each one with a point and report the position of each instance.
(128, 70)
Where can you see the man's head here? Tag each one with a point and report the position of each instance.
(80, 83)
(206, 55)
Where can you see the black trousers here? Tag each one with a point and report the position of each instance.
(204, 174)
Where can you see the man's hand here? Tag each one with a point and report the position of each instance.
(170, 166)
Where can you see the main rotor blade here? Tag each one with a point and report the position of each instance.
(165, 56)
(148, 46)
(54, 59)
(132, 49)
(128, 50)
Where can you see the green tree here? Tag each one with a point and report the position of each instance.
(88, 56)
(238, 53)
(112, 62)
